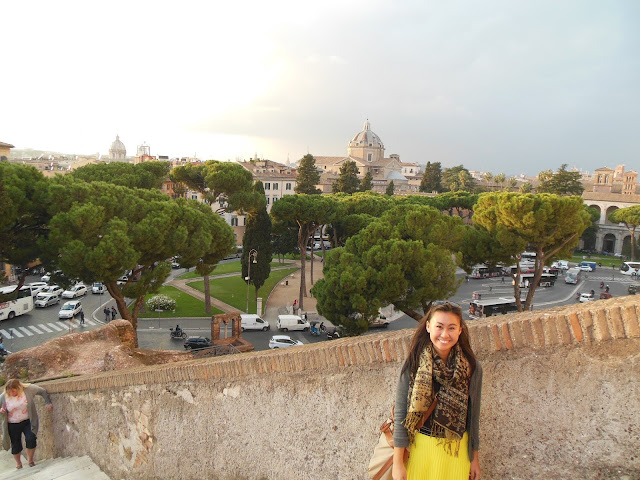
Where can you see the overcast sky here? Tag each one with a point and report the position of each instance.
(496, 85)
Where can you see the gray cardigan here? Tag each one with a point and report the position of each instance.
(400, 436)
(30, 392)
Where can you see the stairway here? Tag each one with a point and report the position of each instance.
(69, 468)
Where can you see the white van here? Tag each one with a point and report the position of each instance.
(292, 322)
(253, 322)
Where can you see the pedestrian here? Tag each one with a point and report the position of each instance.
(17, 406)
(113, 313)
(295, 306)
(81, 318)
(107, 314)
(502, 279)
(440, 362)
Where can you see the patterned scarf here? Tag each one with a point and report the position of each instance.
(450, 415)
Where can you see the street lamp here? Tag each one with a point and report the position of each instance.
(253, 255)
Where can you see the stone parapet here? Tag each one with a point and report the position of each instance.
(584, 324)
(559, 400)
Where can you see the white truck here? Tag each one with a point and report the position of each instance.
(253, 322)
(292, 322)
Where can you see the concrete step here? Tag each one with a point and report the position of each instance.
(68, 468)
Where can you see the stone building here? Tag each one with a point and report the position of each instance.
(611, 189)
(278, 179)
(5, 151)
(367, 151)
(117, 150)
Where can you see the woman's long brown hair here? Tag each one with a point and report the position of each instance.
(421, 337)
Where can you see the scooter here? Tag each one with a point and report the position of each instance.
(333, 334)
(177, 333)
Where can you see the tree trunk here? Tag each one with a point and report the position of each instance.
(312, 262)
(303, 259)
(516, 286)
(207, 295)
(131, 317)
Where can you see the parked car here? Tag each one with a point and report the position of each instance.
(283, 341)
(380, 322)
(585, 268)
(175, 262)
(98, 287)
(70, 309)
(197, 342)
(54, 289)
(122, 280)
(605, 295)
(46, 300)
(633, 289)
(75, 291)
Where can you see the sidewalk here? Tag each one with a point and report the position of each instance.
(282, 296)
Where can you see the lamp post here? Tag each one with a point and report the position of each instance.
(252, 258)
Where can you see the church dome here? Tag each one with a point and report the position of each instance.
(366, 138)
(117, 149)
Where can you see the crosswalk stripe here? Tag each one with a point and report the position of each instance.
(45, 328)
(16, 333)
(26, 330)
(55, 327)
(64, 325)
(35, 329)
(90, 322)
(6, 334)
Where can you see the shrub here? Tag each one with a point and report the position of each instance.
(161, 302)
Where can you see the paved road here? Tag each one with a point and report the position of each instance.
(42, 324)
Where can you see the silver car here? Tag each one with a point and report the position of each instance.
(46, 300)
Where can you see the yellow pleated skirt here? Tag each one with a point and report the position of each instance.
(429, 461)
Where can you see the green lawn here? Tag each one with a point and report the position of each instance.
(186, 305)
(231, 267)
(605, 260)
(233, 290)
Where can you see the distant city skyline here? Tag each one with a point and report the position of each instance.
(505, 87)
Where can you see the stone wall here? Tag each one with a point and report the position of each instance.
(560, 400)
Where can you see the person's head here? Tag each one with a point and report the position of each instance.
(443, 327)
(14, 387)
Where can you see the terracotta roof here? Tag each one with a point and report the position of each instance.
(6, 145)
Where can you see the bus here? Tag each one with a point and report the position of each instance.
(492, 306)
(630, 268)
(546, 280)
(19, 306)
(483, 271)
(572, 275)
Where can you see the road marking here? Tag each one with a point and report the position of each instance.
(55, 327)
(45, 328)
(90, 322)
(6, 334)
(35, 329)
(16, 333)
(65, 326)
(26, 330)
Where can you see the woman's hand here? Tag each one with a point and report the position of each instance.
(49, 407)
(474, 471)
(398, 470)
(2, 411)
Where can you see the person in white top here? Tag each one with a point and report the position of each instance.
(19, 415)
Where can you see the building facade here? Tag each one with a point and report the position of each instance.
(367, 151)
(610, 190)
(117, 150)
